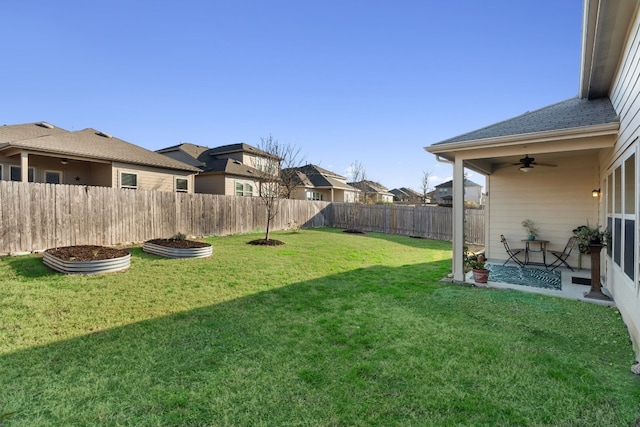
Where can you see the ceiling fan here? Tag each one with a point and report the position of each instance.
(526, 163)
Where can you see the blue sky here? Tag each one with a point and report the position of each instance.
(370, 81)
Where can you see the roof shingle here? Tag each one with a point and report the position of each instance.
(571, 113)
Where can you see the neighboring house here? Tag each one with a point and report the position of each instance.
(407, 195)
(372, 192)
(593, 141)
(315, 183)
(443, 193)
(229, 169)
(41, 152)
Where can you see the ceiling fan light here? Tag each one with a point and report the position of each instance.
(526, 168)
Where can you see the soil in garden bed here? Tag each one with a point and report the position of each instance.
(179, 244)
(86, 253)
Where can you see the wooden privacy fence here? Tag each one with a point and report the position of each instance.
(432, 222)
(35, 217)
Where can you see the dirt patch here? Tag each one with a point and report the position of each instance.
(179, 244)
(352, 231)
(86, 253)
(265, 242)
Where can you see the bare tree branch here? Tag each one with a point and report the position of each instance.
(273, 188)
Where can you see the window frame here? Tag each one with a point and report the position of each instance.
(620, 218)
(59, 173)
(130, 187)
(314, 195)
(31, 173)
(243, 189)
(186, 185)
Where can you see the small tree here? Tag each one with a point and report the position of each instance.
(357, 174)
(272, 186)
(424, 184)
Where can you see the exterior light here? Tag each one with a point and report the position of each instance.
(595, 193)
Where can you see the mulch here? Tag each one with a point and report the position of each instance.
(179, 244)
(86, 253)
(265, 242)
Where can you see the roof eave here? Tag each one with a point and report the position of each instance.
(102, 159)
(605, 26)
(530, 138)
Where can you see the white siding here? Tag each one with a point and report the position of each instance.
(625, 96)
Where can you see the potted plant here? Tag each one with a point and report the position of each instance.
(532, 230)
(588, 235)
(477, 264)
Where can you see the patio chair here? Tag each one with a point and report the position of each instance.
(511, 252)
(561, 256)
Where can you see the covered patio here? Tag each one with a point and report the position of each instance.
(542, 165)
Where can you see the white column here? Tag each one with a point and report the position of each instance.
(458, 219)
(24, 166)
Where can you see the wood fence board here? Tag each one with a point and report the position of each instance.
(41, 216)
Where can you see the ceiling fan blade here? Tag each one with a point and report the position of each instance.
(544, 164)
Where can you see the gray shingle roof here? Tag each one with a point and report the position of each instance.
(239, 147)
(12, 133)
(449, 184)
(572, 113)
(312, 175)
(88, 143)
(205, 158)
(404, 191)
(370, 187)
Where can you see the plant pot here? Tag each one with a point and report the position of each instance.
(531, 237)
(480, 275)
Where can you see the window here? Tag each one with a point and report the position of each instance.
(244, 189)
(621, 205)
(313, 195)
(16, 173)
(52, 177)
(182, 185)
(128, 180)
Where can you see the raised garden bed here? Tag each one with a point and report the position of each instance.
(86, 259)
(176, 248)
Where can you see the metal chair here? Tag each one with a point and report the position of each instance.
(561, 256)
(511, 252)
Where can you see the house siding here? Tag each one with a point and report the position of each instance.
(230, 184)
(625, 97)
(210, 184)
(152, 178)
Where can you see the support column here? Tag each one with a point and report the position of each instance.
(458, 219)
(24, 166)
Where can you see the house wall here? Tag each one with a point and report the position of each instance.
(150, 178)
(210, 184)
(230, 184)
(625, 97)
(338, 194)
(101, 174)
(515, 196)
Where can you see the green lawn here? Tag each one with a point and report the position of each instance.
(331, 329)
